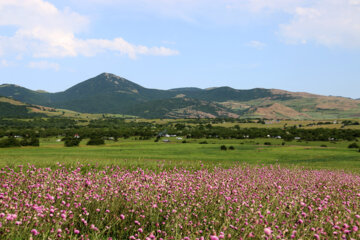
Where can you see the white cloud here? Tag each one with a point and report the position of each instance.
(330, 23)
(91, 47)
(4, 63)
(325, 22)
(44, 65)
(256, 44)
(45, 31)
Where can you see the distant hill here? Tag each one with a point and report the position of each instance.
(10, 108)
(108, 93)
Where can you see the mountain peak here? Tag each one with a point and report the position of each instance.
(105, 84)
(112, 78)
(108, 75)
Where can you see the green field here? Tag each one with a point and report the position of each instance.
(131, 153)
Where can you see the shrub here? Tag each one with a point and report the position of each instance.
(267, 143)
(71, 142)
(203, 142)
(283, 143)
(24, 142)
(30, 142)
(231, 148)
(353, 145)
(96, 141)
(323, 146)
(184, 141)
(9, 142)
(223, 147)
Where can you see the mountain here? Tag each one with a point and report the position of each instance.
(108, 93)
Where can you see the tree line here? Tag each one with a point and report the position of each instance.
(119, 128)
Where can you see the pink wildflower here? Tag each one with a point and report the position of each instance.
(11, 217)
(34, 232)
(267, 231)
(93, 227)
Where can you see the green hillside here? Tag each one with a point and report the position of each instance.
(25, 95)
(10, 108)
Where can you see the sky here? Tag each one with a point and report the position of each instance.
(295, 45)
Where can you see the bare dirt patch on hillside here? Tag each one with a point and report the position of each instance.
(277, 110)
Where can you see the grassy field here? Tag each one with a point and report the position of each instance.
(131, 153)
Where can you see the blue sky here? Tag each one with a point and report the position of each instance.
(296, 45)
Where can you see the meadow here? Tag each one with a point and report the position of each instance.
(142, 189)
(147, 154)
(235, 203)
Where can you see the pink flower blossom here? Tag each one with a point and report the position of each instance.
(34, 232)
(11, 217)
(267, 231)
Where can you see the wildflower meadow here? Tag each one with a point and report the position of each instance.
(241, 202)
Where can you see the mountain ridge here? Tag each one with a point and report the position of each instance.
(108, 93)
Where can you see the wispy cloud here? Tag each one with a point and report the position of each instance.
(4, 63)
(325, 22)
(44, 65)
(330, 23)
(44, 31)
(256, 44)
